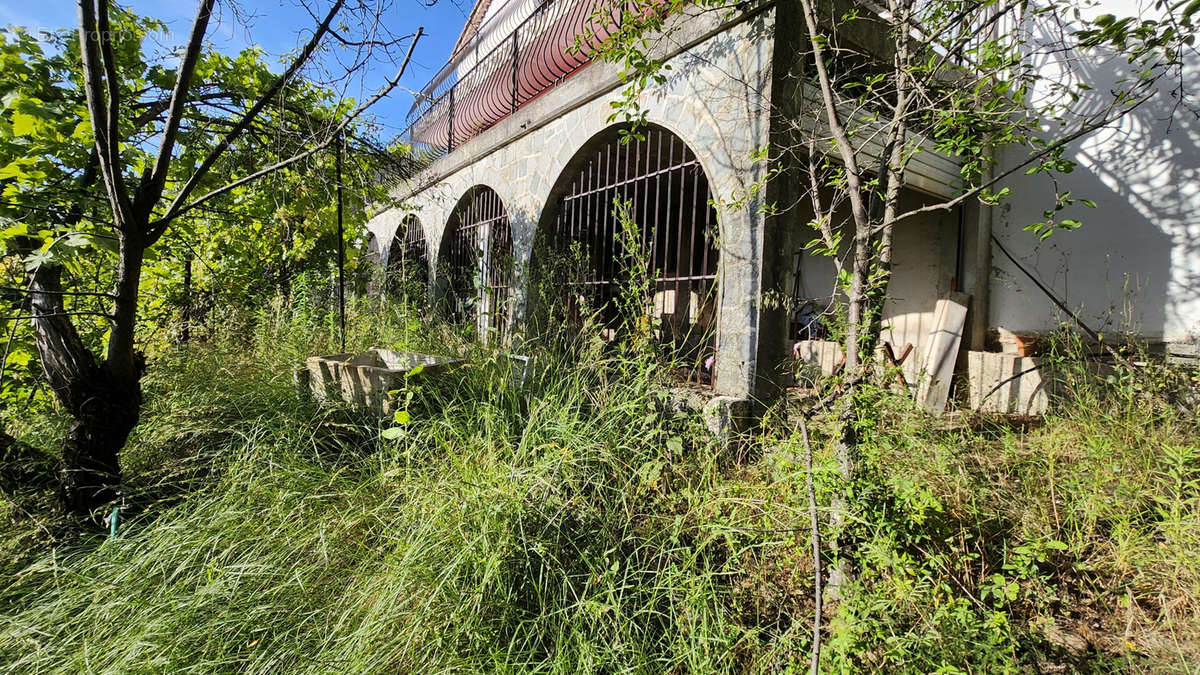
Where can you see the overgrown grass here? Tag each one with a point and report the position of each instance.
(1070, 542)
(571, 526)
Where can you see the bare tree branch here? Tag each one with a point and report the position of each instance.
(150, 191)
(174, 208)
(158, 226)
(89, 39)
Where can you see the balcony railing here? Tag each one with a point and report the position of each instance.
(553, 43)
(472, 93)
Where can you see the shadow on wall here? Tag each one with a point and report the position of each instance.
(1134, 265)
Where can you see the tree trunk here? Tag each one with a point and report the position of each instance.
(845, 452)
(105, 408)
(91, 470)
(846, 449)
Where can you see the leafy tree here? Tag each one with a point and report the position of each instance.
(111, 162)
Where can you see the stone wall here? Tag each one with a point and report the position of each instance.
(734, 81)
(714, 99)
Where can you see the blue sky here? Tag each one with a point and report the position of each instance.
(279, 26)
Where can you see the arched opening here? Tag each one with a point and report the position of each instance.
(408, 261)
(475, 261)
(634, 218)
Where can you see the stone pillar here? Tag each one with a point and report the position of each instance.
(738, 306)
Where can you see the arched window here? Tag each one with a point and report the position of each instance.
(635, 218)
(408, 261)
(475, 260)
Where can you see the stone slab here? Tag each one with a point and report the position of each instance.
(941, 354)
(1007, 384)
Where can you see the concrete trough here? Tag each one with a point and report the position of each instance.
(364, 380)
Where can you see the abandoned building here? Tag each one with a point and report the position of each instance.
(525, 163)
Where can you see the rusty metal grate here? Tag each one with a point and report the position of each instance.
(667, 197)
(408, 260)
(475, 260)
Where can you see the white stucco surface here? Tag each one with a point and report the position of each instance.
(1134, 265)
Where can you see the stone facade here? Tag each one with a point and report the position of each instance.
(735, 87)
(721, 99)
(714, 100)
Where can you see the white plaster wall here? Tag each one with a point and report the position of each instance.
(923, 269)
(715, 101)
(1135, 263)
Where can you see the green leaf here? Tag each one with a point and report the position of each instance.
(83, 131)
(37, 259)
(14, 230)
(19, 358)
(402, 417)
(392, 433)
(102, 242)
(416, 370)
(23, 124)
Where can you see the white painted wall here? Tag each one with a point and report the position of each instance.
(923, 270)
(1135, 263)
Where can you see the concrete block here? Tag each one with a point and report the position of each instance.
(818, 358)
(728, 416)
(1007, 383)
(1183, 354)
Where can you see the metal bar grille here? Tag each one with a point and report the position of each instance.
(668, 197)
(408, 260)
(497, 273)
(475, 260)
